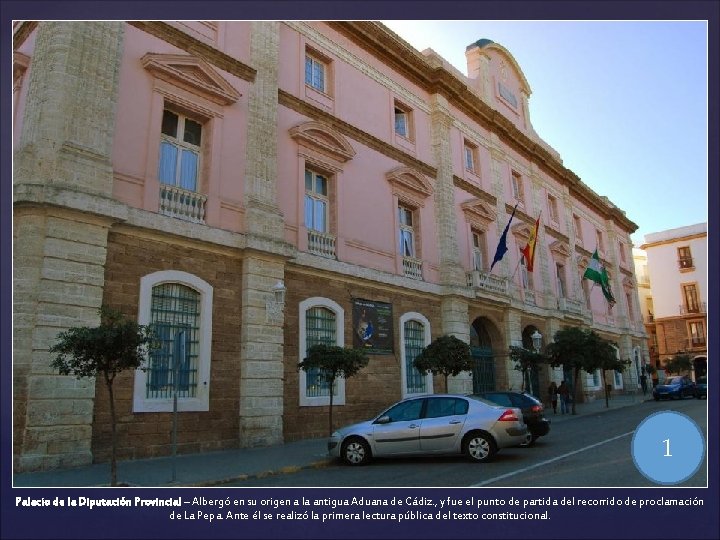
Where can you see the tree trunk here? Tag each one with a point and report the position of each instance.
(113, 427)
(574, 390)
(330, 422)
(607, 397)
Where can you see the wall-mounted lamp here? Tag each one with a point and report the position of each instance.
(279, 292)
(275, 305)
(537, 340)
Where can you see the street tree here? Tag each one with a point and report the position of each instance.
(116, 345)
(567, 350)
(680, 363)
(526, 362)
(332, 362)
(601, 355)
(446, 355)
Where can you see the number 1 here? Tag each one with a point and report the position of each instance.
(667, 448)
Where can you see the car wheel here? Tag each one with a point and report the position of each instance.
(355, 451)
(529, 440)
(479, 446)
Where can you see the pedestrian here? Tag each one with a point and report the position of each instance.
(564, 392)
(553, 391)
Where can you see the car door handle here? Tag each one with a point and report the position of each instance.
(455, 422)
(413, 426)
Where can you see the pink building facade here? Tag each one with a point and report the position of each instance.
(253, 188)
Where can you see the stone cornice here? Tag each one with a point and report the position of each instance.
(22, 32)
(194, 46)
(402, 57)
(675, 240)
(315, 113)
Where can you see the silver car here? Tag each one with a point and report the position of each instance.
(431, 424)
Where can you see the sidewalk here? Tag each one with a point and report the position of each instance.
(216, 468)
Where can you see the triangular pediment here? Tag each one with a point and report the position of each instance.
(410, 181)
(478, 212)
(324, 139)
(522, 231)
(193, 74)
(560, 249)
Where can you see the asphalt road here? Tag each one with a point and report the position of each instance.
(587, 451)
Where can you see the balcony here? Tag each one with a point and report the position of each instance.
(487, 282)
(686, 263)
(569, 305)
(696, 308)
(412, 268)
(321, 244)
(182, 203)
(697, 342)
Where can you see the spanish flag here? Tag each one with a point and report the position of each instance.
(529, 250)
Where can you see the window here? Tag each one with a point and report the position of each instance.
(175, 322)
(690, 297)
(470, 157)
(553, 208)
(517, 186)
(577, 224)
(599, 239)
(630, 311)
(685, 259)
(403, 120)
(697, 333)
(406, 411)
(586, 292)
(321, 321)
(560, 274)
(527, 279)
(315, 72)
(438, 407)
(414, 337)
(478, 250)
(178, 308)
(407, 232)
(316, 201)
(179, 163)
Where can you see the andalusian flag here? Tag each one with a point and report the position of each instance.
(596, 272)
(502, 244)
(529, 250)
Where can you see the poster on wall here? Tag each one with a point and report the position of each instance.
(372, 326)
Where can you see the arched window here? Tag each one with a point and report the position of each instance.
(178, 308)
(322, 321)
(414, 337)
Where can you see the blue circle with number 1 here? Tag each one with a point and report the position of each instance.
(668, 447)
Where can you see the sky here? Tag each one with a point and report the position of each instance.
(623, 102)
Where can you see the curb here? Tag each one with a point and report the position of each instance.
(290, 469)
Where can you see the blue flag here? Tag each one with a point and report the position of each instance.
(502, 244)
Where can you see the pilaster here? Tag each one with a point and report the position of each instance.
(60, 253)
(262, 214)
(451, 272)
(261, 352)
(454, 312)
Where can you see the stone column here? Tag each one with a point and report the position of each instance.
(261, 353)
(63, 159)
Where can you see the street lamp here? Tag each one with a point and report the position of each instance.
(275, 304)
(536, 340)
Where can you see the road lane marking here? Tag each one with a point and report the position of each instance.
(543, 463)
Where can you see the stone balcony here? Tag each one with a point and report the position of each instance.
(487, 282)
(321, 244)
(182, 203)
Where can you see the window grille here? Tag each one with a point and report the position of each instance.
(175, 321)
(414, 344)
(320, 329)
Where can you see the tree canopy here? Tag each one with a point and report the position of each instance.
(446, 355)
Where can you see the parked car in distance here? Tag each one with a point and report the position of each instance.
(532, 409)
(431, 424)
(701, 387)
(677, 387)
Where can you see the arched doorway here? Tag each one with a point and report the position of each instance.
(482, 355)
(531, 383)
